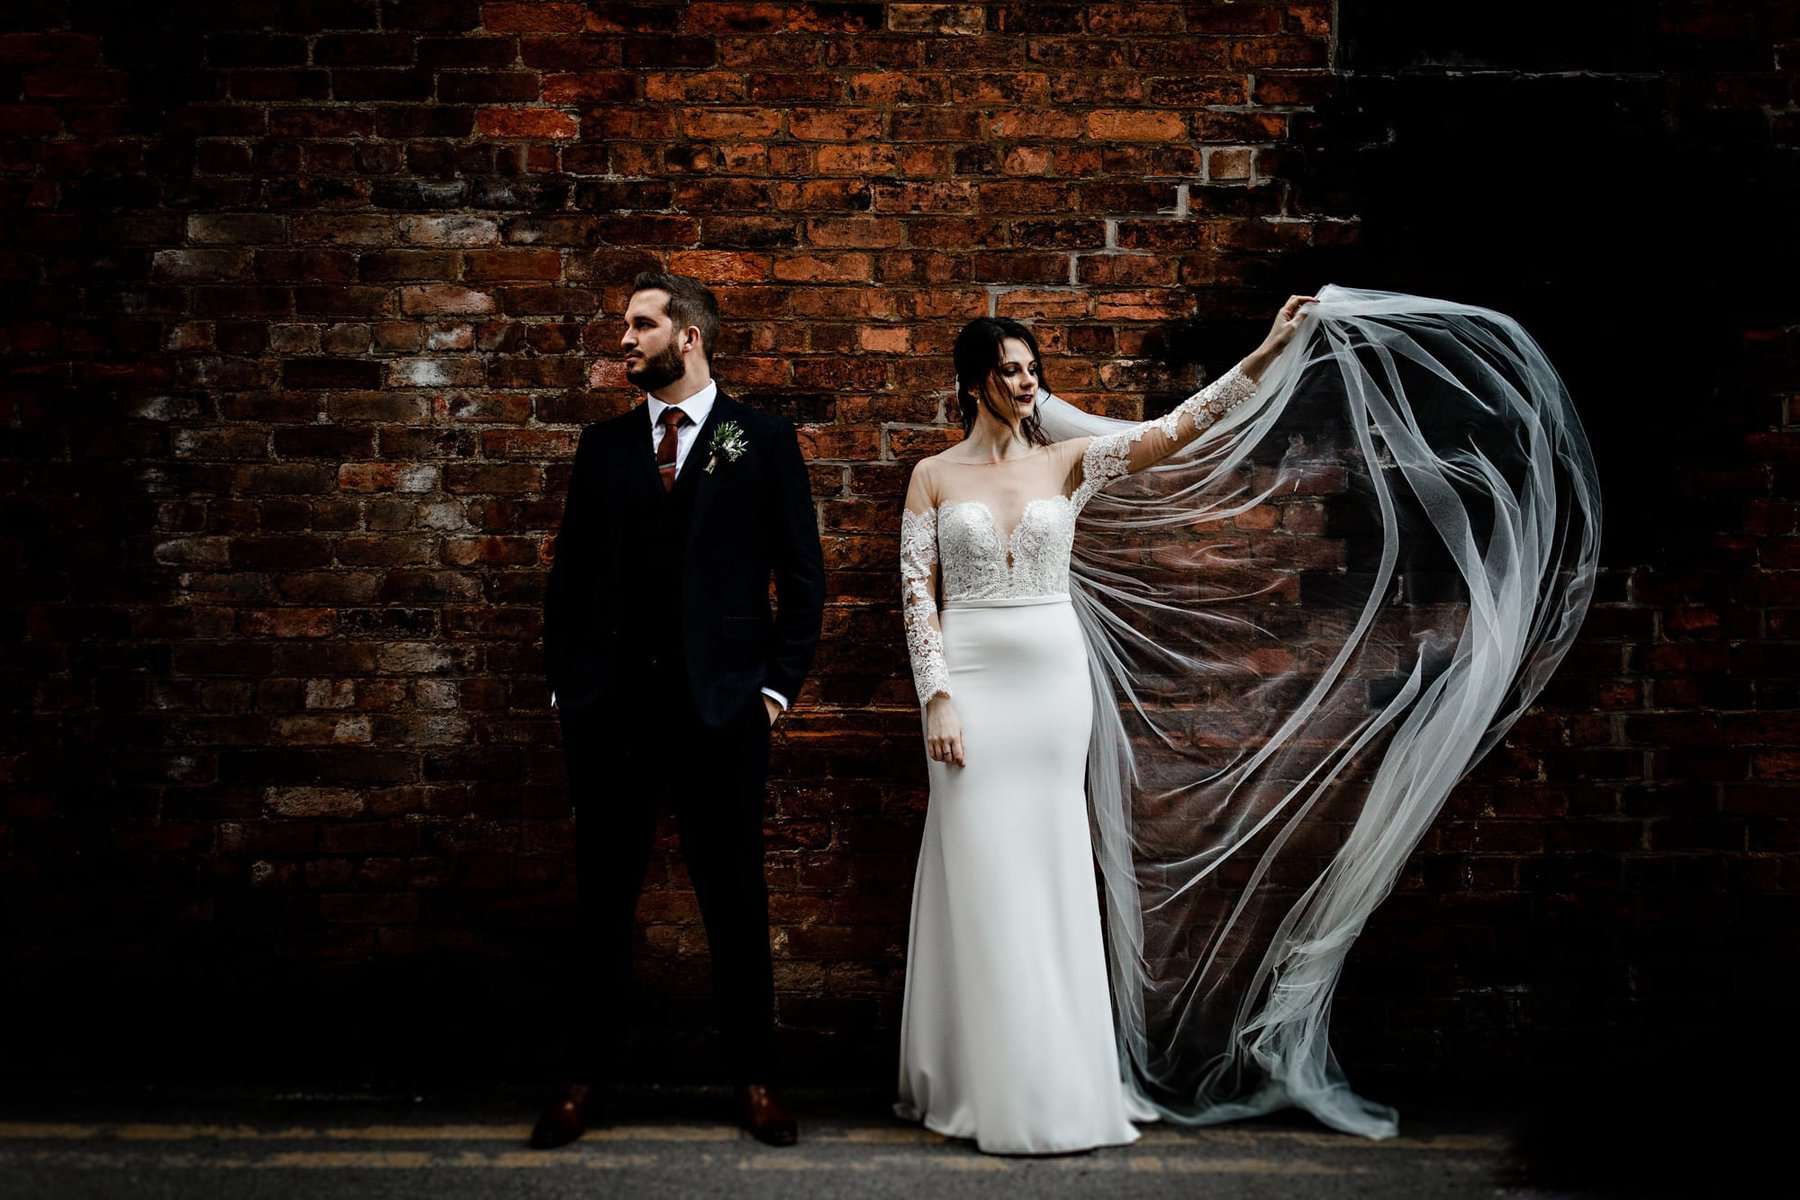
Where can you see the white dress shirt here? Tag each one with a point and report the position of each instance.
(696, 406)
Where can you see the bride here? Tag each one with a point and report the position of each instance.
(1048, 672)
(1006, 1032)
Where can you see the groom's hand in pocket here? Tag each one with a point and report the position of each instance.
(943, 731)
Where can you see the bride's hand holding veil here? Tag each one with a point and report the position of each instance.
(1287, 324)
(1141, 446)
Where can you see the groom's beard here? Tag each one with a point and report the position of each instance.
(658, 371)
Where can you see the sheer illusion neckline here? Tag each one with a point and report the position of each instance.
(1010, 538)
(1005, 462)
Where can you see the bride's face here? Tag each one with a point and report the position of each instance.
(1016, 379)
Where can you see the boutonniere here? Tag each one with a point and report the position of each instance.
(728, 443)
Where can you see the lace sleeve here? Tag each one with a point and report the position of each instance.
(1149, 442)
(918, 601)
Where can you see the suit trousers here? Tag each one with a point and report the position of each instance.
(627, 764)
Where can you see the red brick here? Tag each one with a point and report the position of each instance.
(593, 87)
(937, 18)
(480, 266)
(836, 443)
(448, 231)
(823, 268)
(835, 124)
(1256, 53)
(492, 477)
(445, 299)
(526, 123)
(721, 266)
(529, 16)
(727, 123)
(30, 120)
(1127, 124)
(868, 159)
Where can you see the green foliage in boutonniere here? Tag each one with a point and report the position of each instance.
(728, 443)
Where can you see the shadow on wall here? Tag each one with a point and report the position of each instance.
(1613, 175)
(1607, 174)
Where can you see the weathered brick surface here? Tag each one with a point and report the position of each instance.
(306, 304)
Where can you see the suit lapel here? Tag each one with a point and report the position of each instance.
(704, 482)
(639, 452)
(694, 466)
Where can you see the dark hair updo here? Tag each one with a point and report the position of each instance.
(977, 356)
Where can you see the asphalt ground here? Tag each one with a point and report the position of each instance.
(275, 1142)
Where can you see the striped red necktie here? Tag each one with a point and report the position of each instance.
(672, 419)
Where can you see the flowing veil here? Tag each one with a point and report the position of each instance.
(1304, 628)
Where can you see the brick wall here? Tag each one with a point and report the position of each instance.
(307, 303)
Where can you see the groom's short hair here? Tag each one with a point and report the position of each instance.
(690, 303)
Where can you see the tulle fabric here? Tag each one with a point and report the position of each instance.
(1304, 628)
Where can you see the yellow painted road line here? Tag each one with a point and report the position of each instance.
(410, 1159)
(882, 1135)
(428, 1133)
(792, 1162)
(1194, 1165)
(145, 1131)
(666, 1133)
(968, 1161)
(44, 1129)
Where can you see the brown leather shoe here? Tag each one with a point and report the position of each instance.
(765, 1117)
(567, 1117)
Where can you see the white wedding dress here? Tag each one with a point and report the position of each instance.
(1234, 662)
(1007, 1032)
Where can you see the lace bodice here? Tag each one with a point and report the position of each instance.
(961, 541)
(978, 562)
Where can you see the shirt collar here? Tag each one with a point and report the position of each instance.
(695, 406)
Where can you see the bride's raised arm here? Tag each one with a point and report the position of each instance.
(918, 588)
(1108, 456)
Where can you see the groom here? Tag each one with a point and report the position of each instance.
(667, 670)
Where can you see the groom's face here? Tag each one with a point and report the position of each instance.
(653, 351)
